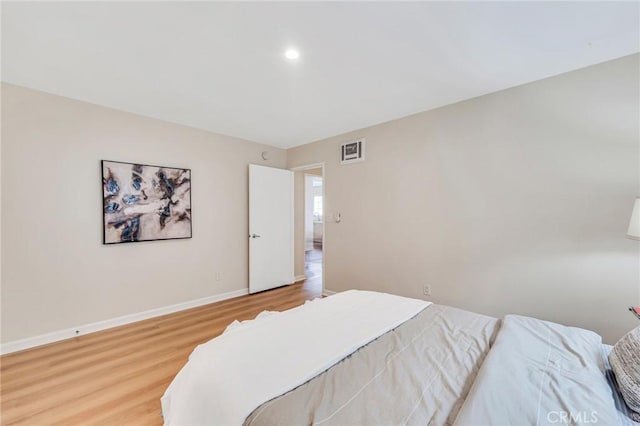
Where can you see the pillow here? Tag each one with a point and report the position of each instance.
(625, 362)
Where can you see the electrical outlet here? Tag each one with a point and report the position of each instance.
(218, 276)
(427, 290)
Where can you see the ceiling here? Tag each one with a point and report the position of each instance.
(220, 66)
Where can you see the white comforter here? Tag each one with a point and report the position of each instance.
(540, 373)
(226, 378)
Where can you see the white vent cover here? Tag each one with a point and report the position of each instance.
(352, 151)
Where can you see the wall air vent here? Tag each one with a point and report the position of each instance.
(352, 151)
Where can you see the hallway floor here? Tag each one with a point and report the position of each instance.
(313, 267)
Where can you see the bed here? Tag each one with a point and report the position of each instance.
(367, 358)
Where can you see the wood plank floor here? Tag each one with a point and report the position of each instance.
(117, 376)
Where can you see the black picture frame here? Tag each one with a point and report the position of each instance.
(144, 202)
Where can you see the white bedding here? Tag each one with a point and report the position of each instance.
(226, 378)
(540, 373)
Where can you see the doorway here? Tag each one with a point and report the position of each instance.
(309, 218)
(313, 227)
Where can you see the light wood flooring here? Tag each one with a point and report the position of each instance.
(117, 376)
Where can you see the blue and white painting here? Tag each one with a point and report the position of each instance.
(144, 203)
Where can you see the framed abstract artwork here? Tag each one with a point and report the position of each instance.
(145, 203)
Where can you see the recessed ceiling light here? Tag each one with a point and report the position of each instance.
(292, 54)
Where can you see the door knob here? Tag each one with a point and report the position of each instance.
(254, 236)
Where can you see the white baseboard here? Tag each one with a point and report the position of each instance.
(326, 292)
(43, 339)
(299, 278)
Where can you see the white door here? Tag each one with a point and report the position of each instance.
(270, 228)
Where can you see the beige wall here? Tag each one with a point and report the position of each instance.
(56, 272)
(513, 202)
(516, 201)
